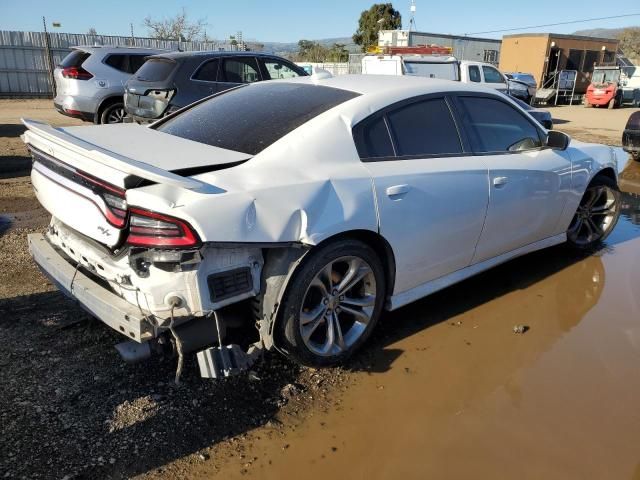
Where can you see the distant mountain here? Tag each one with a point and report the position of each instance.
(600, 32)
(283, 48)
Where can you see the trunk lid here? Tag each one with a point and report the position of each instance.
(81, 174)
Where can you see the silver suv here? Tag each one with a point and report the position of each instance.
(90, 81)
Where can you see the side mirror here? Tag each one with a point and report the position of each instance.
(557, 140)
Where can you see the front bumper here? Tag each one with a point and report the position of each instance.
(109, 308)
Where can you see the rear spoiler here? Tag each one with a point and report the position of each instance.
(114, 160)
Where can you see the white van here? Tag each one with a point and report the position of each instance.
(436, 66)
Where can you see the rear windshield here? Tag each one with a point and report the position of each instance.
(446, 71)
(155, 70)
(74, 59)
(250, 118)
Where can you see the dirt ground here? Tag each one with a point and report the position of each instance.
(444, 390)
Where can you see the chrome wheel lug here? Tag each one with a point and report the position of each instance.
(334, 293)
(341, 298)
(325, 302)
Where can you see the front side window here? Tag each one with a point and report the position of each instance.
(497, 127)
(491, 75)
(240, 70)
(474, 74)
(278, 69)
(208, 72)
(424, 128)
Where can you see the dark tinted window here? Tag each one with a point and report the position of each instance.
(208, 72)
(574, 60)
(280, 69)
(240, 70)
(495, 126)
(119, 62)
(491, 75)
(251, 118)
(424, 128)
(474, 73)
(590, 60)
(135, 62)
(74, 59)
(372, 139)
(155, 70)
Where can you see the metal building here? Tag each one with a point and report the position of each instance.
(464, 48)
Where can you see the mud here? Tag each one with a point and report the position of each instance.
(446, 389)
(449, 391)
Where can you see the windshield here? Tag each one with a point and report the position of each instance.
(446, 71)
(250, 118)
(605, 76)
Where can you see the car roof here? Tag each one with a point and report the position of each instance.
(117, 48)
(206, 54)
(381, 84)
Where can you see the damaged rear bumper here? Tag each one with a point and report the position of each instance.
(111, 309)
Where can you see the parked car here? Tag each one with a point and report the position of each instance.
(613, 86)
(631, 136)
(541, 115)
(445, 67)
(170, 81)
(90, 81)
(518, 81)
(239, 201)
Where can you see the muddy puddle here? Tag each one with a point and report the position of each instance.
(447, 390)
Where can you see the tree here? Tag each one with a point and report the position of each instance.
(630, 42)
(381, 16)
(309, 51)
(92, 31)
(178, 27)
(337, 53)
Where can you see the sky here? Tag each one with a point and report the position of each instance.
(290, 21)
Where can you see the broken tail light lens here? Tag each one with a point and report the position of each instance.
(151, 229)
(77, 73)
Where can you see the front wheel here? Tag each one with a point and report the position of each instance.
(597, 214)
(332, 303)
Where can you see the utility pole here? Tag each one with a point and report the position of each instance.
(49, 57)
(133, 40)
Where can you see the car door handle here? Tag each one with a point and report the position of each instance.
(500, 181)
(396, 190)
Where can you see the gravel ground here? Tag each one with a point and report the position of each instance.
(72, 409)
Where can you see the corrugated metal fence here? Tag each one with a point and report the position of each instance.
(27, 58)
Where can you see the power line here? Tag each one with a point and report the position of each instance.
(555, 24)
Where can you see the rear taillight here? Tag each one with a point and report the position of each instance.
(151, 229)
(77, 73)
(113, 197)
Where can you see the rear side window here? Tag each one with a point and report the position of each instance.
(372, 139)
(495, 126)
(119, 62)
(135, 62)
(250, 118)
(208, 72)
(491, 75)
(474, 74)
(240, 70)
(74, 59)
(155, 70)
(424, 128)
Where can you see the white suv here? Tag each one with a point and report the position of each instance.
(90, 81)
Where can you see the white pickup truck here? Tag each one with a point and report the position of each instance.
(436, 66)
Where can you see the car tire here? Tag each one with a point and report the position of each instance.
(635, 156)
(596, 216)
(323, 322)
(113, 113)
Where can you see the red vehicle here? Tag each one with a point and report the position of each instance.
(605, 89)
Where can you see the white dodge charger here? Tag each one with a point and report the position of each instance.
(305, 206)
